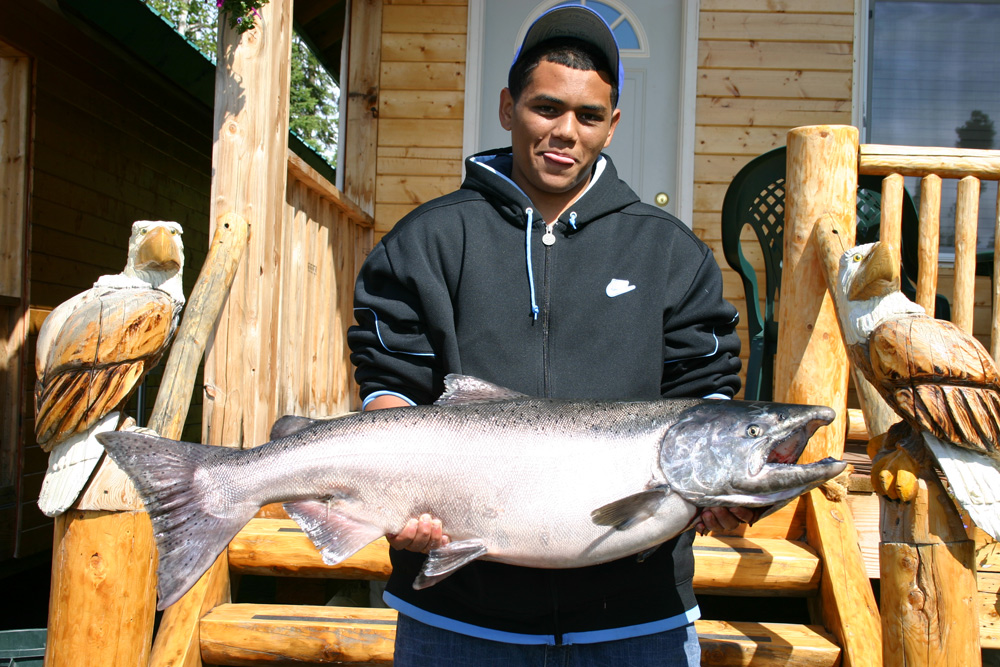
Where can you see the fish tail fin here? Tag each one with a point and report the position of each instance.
(180, 487)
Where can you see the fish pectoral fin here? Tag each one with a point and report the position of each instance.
(335, 535)
(445, 560)
(626, 512)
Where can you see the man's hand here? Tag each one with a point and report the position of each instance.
(722, 518)
(420, 535)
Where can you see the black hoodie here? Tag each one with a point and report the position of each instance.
(620, 300)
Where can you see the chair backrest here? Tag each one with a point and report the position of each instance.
(756, 198)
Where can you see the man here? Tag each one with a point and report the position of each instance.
(545, 274)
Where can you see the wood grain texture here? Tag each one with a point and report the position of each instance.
(360, 126)
(15, 81)
(102, 603)
(821, 183)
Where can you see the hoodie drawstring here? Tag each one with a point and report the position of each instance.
(527, 257)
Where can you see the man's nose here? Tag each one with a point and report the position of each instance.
(566, 127)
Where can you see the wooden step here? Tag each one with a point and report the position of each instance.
(723, 565)
(250, 634)
(278, 547)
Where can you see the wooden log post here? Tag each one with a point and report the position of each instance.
(928, 586)
(249, 167)
(812, 368)
(102, 601)
(361, 126)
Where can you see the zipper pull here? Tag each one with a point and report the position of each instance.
(548, 238)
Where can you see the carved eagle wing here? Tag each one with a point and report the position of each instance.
(92, 357)
(939, 378)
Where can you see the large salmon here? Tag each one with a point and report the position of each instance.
(535, 482)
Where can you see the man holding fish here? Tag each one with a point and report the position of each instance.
(546, 275)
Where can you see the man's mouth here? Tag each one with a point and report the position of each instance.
(559, 158)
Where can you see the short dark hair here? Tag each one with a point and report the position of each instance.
(573, 53)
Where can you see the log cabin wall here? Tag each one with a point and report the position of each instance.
(421, 105)
(764, 67)
(110, 143)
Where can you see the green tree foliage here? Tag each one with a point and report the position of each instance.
(977, 132)
(314, 94)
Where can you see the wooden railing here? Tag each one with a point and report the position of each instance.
(325, 237)
(929, 610)
(320, 242)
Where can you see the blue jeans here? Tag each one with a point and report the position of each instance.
(420, 645)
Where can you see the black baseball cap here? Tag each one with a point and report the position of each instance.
(577, 22)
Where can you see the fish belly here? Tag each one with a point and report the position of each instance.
(528, 498)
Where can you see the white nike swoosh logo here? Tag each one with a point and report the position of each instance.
(618, 287)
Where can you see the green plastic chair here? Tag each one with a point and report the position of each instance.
(756, 198)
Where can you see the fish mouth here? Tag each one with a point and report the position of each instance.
(773, 472)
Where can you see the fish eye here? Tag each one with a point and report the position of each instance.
(856, 257)
(143, 231)
(754, 431)
(173, 232)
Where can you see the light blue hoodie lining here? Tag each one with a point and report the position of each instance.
(707, 354)
(384, 392)
(386, 347)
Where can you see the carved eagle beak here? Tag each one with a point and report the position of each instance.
(158, 252)
(878, 275)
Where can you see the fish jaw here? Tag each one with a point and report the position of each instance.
(744, 454)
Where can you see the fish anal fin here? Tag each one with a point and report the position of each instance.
(464, 389)
(335, 534)
(444, 561)
(626, 512)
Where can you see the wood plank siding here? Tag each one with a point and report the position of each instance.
(111, 143)
(764, 67)
(421, 105)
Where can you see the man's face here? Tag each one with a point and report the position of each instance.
(558, 128)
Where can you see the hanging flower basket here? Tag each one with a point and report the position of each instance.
(242, 13)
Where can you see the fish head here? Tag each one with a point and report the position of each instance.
(740, 453)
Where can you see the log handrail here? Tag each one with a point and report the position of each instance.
(927, 560)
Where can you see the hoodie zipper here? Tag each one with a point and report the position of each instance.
(548, 239)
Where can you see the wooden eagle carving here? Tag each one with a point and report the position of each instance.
(95, 348)
(939, 379)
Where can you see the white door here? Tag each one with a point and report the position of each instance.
(648, 147)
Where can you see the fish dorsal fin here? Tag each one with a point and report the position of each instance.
(462, 389)
(626, 512)
(290, 424)
(445, 560)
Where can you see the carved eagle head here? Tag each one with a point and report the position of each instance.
(868, 290)
(156, 255)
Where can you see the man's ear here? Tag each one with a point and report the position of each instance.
(506, 109)
(616, 116)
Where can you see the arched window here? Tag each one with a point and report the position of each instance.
(628, 30)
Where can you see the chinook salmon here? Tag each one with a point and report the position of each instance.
(535, 482)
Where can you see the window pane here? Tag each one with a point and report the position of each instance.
(935, 81)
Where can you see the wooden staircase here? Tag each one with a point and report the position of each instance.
(769, 560)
